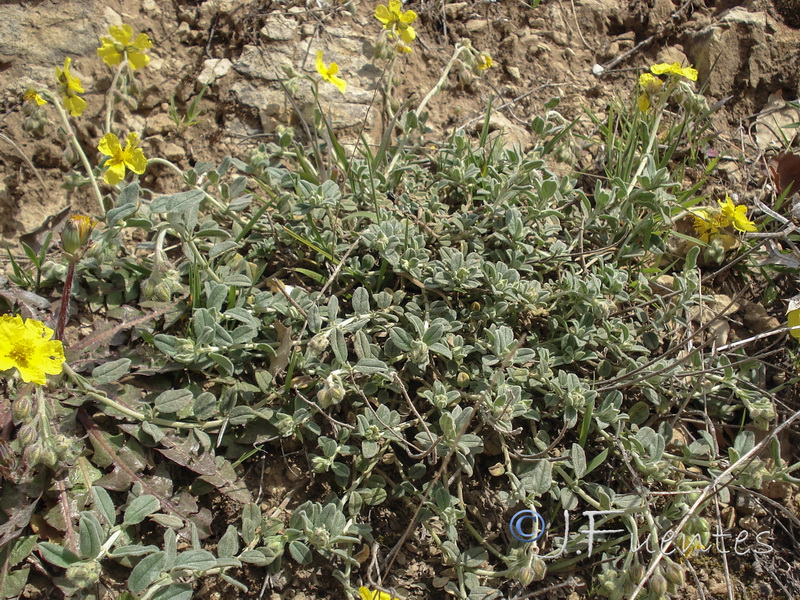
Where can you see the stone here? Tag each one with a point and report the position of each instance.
(278, 28)
(213, 69)
(252, 63)
(477, 25)
(453, 9)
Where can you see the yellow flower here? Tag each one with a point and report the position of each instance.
(69, 87)
(484, 61)
(33, 96)
(736, 215)
(120, 46)
(650, 87)
(396, 21)
(674, 69)
(708, 222)
(329, 73)
(403, 48)
(131, 157)
(368, 594)
(28, 347)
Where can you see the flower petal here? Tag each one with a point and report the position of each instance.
(408, 17)
(136, 161)
(115, 172)
(137, 60)
(408, 34)
(382, 14)
(109, 145)
(339, 83)
(321, 65)
(108, 52)
(75, 105)
(121, 33)
(142, 42)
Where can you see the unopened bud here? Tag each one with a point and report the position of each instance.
(26, 435)
(21, 409)
(658, 584)
(76, 233)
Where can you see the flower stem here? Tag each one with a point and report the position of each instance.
(72, 139)
(66, 294)
(112, 91)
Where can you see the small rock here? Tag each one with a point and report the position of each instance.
(514, 73)
(278, 28)
(741, 16)
(213, 69)
(151, 6)
(757, 319)
(477, 25)
(454, 8)
(173, 152)
(158, 124)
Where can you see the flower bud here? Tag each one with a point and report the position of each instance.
(674, 573)
(27, 435)
(76, 233)
(21, 409)
(462, 379)
(658, 584)
(84, 574)
(49, 457)
(33, 454)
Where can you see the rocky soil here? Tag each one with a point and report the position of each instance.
(586, 52)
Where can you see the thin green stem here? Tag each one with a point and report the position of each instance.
(111, 93)
(73, 140)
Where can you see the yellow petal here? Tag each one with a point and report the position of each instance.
(382, 14)
(333, 69)
(115, 172)
(395, 6)
(136, 161)
(408, 17)
(109, 145)
(108, 52)
(75, 105)
(321, 65)
(408, 34)
(339, 83)
(643, 102)
(793, 317)
(121, 33)
(142, 42)
(137, 60)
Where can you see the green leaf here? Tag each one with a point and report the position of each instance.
(254, 557)
(360, 301)
(251, 523)
(173, 401)
(111, 371)
(133, 550)
(177, 203)
(300, 552)
(371, 366)
(91, 535)
(21, 548)
(175, 591)
(578, 458)
(228, 544)
(146, 572)
(104, 504)
(14, 582)
(140, 508)
(57, 555)
(339, 345)
(195, 560)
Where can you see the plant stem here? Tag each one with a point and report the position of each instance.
(111, 93)
(77, 147)
(66, 294)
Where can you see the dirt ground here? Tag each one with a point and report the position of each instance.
(586, 52)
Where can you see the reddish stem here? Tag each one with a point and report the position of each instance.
(63, 310)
